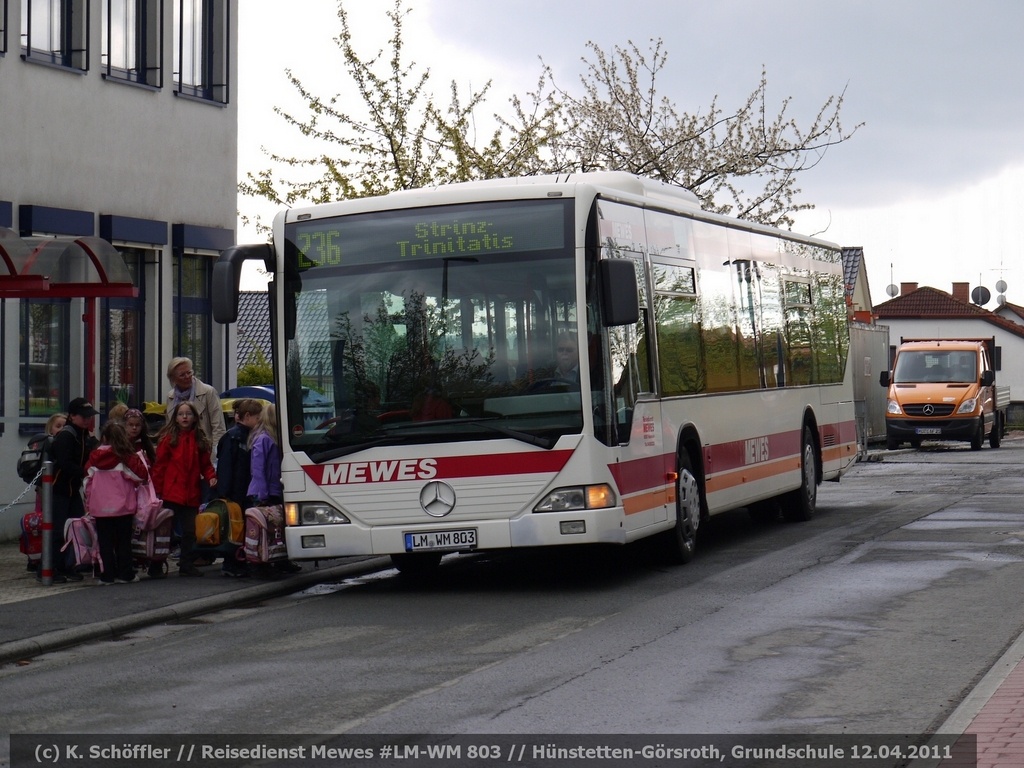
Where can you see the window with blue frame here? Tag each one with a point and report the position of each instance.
(124, 354)
(201, 49)
(193, 311)
(132, 34)
(43, 386)
(56, 32)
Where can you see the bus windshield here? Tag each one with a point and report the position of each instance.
(432, 325)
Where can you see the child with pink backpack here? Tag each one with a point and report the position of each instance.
(113, 474)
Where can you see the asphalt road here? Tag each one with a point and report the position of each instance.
(877, 616)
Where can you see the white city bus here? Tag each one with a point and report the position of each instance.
(710, 373)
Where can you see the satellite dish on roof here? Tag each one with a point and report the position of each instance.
(892, 290)
(1001, 286)
(1000, 300)
(981, 296)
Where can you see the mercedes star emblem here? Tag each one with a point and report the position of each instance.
(437, 498)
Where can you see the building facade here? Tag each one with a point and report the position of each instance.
(119, 122)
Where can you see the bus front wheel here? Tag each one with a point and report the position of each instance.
(681, 541)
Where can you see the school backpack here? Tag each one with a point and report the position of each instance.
(208, 529)
(30, 463)
(264, 534)
(109, 492)
(223, 525)
(30, 542)
(80, 537)
(151, 535)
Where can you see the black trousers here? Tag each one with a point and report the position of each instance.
(115, 535)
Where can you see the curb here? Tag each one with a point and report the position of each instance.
(19, 650)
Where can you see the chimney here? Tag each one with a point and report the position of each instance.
(906, 288)
(962, 292)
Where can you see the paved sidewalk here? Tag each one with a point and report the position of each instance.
(36, 619)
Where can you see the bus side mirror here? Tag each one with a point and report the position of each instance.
(227, 275)
(883, 378)
(619, 296)
(988, 378)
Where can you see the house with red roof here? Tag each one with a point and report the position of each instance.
(922, 312)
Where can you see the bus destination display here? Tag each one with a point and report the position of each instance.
(430, 233)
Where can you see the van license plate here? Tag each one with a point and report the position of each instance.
(440, 540)
(928, 431)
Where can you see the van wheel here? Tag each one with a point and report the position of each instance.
(995, 437)
(891, 443)
(799, 505)
(979, 435)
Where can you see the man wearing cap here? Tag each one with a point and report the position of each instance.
(69, 452)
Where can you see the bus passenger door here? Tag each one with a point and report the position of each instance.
(647, 495)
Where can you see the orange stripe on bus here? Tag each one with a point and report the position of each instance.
(749, 474)
(838, 452)
(645, 501)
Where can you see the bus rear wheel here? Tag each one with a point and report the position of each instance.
(417, 563)
(798, 506)
(681, 541)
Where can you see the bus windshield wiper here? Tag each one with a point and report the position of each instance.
(546, 443)
(345, 450)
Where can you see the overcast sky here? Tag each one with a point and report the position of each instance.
(932, 185)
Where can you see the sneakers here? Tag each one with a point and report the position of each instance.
(125, 581)
(105, 583)
(70, 576)
(189, 570)
(58, 578)
(235, 573)
(288, 566)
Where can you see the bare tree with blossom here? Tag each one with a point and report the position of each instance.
(744, 162)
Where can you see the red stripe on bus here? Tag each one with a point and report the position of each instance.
(437, 468)
(642, 474)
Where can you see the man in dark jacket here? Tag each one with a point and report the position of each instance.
(234, 468)
(69, 452)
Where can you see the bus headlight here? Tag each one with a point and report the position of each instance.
(968, 405)
(312, 513)
(893, 407)
(598, 496)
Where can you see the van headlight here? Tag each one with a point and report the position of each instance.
(968, 405)
(598, 496)
(893, 407)
(312, 513)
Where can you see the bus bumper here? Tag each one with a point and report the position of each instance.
(321, 542)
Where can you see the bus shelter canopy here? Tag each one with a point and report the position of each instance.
(62, 267)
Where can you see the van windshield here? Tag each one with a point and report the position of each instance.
(921, 367)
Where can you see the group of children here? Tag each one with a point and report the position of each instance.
(177, 465)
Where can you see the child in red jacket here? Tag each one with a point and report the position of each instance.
(112, 477)
(182, 462)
